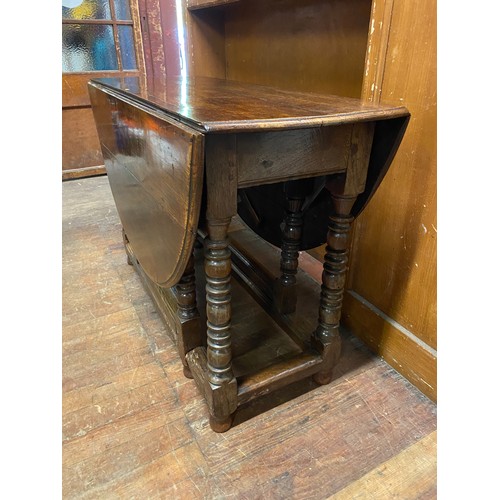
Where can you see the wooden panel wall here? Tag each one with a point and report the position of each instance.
(206, 52)
(392, 280)
(81, 151)
(311, 45)
(81, 144)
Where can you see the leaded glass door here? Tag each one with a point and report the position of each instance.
(100, 38)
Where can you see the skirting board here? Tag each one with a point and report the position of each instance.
(407, 354)
(79, 173)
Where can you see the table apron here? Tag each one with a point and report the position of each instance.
(268, 157)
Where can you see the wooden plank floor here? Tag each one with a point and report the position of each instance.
(134, 427)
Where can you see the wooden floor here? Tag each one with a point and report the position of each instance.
(135, 427)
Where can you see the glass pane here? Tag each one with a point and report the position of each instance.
(122, 10)
(132, 84)
(126, 38)
(86, 9)
(87, 47)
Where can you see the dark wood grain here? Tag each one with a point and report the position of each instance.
(158, 148)
(326, 337)
(339, 47)
(269, 157)
(218, 294)
(215, 105)
(155, 168)
(203, 4)
(360, 146)
(186, 293)
(221, 398)
(221, 207)
(277, 376)
(285, 295)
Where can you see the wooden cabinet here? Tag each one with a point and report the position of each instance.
(384, 52)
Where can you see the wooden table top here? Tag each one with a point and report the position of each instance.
(213, 105)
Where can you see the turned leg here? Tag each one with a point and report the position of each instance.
(326, 338)
(189, 335)
(186, 292)
(285, 294)
(218, 293)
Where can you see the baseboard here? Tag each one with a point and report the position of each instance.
(79, 173)
(405, 352)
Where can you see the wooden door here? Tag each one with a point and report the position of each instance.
(100, 38)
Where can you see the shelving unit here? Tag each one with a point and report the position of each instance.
(304, 45)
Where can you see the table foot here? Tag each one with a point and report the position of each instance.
(323, 378)
(220, 425)
(330, 352)
(187, 372)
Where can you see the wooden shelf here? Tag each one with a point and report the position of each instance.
(207, 4)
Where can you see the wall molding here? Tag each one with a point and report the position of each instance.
(78, 173)
(406, 353)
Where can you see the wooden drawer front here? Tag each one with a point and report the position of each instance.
(266, 157)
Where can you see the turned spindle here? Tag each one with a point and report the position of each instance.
(326, 337)
(218, 293)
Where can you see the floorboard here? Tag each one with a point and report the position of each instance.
(135, 427)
